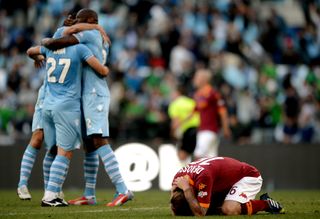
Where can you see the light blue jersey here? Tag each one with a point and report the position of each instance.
(61, 110)
(58, 32)
(92, 82)
(95, 92)
(63, 90)
(37, 115)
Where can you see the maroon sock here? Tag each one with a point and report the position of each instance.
(253, 206)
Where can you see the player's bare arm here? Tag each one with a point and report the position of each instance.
(76, 28)
(225, 122)
(34, 53)
(183, 183)
(55, 44)
(97, 66)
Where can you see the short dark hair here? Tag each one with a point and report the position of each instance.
(179, 204)
(87, 15)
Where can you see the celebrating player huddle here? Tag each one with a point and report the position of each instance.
(75, 107)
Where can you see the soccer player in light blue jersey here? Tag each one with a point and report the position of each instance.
(95, 103)
(36, 140)
(61, 110)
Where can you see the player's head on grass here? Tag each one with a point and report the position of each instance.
(179, 204)
(87, 15)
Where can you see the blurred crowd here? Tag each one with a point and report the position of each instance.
(265, 66)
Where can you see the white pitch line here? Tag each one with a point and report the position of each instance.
(79, 211)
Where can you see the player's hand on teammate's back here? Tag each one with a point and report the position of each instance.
(104, 35)
(39, 64)
(39, 61)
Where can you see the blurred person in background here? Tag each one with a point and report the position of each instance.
(291, 110)
(179, 109)
(212, 110)
(307, 120)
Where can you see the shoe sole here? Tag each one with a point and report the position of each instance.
(49, 205)
(23, 199)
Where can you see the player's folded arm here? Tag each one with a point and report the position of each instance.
(97, 66)
(33, 52)
(59, 43)
(195, 206)
(76, 28)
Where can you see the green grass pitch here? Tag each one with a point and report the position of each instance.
(150, 204)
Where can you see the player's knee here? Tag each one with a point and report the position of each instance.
(231, 209)
(37, 139)
(99, 141)
(67, 154)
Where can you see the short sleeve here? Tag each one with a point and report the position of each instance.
(215, 96)
(203, 190)
(58, 33)
(43, 50)
(83, 36)
(84, 52)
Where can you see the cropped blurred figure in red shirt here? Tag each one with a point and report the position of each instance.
(213, 115)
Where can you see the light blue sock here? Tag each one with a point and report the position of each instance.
(58, 172)
(91, 166)
(47, 162)
(112, 168)
(27, 163)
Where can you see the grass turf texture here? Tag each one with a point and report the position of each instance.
(150, 204)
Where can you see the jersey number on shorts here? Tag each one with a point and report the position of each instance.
(205, 161)
(66, 65)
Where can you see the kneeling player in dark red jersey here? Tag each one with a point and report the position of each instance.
(219, 185)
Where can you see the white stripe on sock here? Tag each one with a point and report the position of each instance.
(90, 185)
(107, 156)
(57, 176)
(23, 169)
(113, 175)
(29, 154)
(57, 170)
(90, 168)
(27, 164)
(64, 165)
(113, 167)
(53, 184)
(90, 175)
(113, 160)
(29, 158)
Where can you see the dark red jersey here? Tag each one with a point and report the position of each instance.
(213, 175)
(208, 104)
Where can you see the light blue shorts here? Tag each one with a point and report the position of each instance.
(96, 112)
(62, 129)
(37, 115)
(37, 120)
